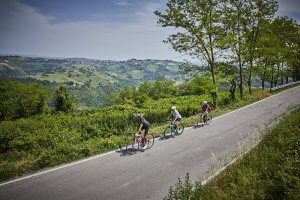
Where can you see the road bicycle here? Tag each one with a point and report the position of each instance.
(137, 143)
(203, 119)
(171, 129)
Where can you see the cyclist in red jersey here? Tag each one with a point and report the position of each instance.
(205, 108)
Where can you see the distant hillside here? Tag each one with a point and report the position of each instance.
(90, 81)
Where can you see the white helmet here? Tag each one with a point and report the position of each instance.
(204, 103)
(138, 114)
(173, 108)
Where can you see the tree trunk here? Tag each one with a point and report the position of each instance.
(239, 58)
(250, 72)
(264, 75)
(249, 81)
(214, 94)
(277, 75)
(232, 89)
(272, 77)
(241, 81)
(287, 79)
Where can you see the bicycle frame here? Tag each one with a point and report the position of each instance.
(172, 126)
(138, 138)
(206, 120)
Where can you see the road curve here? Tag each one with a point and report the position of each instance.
(148, 175)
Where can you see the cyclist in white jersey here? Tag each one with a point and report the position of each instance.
(176, 116)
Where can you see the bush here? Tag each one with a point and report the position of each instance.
(19, 100)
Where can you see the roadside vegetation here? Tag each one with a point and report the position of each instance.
(45, 140)
(237, 42)
(270, 170)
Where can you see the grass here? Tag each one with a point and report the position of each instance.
(271, 170)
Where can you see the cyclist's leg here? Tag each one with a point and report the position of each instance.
(145, 137)
(176, 123)
(202, 118)
(146, 133)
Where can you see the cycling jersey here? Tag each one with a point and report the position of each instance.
(206, 107)
(143, 123)
(175, 114)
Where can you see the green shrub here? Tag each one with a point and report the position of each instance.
(48, 140)
(19, 100)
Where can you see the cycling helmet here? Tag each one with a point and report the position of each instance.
(138, 114)
(204, 103)
(173, 108)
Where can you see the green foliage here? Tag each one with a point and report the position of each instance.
(89, 81)
(161, 89)
(63, 101)
(20, 100)
(30, 144)
(200, 34)
(269, 171)
(48, 140)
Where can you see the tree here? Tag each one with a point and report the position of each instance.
(230, 73)
(19, 100)
(268, 49)
(200, 30)
(288, 33)
(257, 12)
(63, 101)
(162, 88)
(234, 18)
(242, 22)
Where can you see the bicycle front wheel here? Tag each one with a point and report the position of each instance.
(180, 129)
(150, 141)
(132, 147)
(167, 131)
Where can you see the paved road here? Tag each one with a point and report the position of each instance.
(148, 175)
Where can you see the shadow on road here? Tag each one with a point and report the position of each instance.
(127, 152)
(197, 126)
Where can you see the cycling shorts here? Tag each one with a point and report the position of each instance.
(146, 128)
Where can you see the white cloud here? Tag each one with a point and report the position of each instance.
(26, 31)
(122, 3)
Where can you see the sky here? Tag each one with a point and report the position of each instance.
(99, 29)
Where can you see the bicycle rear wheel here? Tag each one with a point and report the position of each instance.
(150, 141)
(180, 129)
(132, 146)
(167, 131)
(209, 119)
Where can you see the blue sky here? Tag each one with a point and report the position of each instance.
(101, 29)
(92, 10)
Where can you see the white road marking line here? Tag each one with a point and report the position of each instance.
(57, 168)
(110, 152)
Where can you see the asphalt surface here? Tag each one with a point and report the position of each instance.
(149, 175)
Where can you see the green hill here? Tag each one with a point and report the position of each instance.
(90, 81)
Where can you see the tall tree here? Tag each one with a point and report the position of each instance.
(288, 32)
(230, 73)
(269, 49)
(257, 12)
(199, 30)
(63, 101)
(234, 19)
